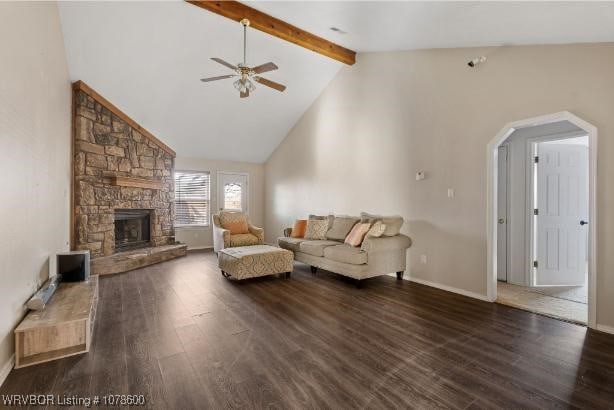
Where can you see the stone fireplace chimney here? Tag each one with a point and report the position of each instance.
(117, 165)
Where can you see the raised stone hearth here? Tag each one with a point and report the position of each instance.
(125, 261)
(118, 166)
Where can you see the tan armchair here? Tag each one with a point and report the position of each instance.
(222, 238)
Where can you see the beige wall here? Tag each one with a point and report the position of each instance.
(392, 114)
(35, 139)
(201, 237)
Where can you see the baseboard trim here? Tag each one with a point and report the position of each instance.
(450, 289)
(605, 329)
(6, 369)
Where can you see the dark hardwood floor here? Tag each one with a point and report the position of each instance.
(185, 337)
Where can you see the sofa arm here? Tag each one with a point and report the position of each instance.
(258, 232)
(287, 232)
(386, 243)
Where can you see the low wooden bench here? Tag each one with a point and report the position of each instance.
(63, 328)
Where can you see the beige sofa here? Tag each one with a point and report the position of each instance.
(223, 239)
(375, 257)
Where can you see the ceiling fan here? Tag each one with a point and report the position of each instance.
(246, 74)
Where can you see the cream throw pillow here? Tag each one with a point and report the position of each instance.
(393, 223)
(316, 229)
(377, 229)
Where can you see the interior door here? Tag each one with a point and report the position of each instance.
(232, 191)
(561, 200)
(502, 214)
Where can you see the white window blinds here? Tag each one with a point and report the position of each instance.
(192, 198)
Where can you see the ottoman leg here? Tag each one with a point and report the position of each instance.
(224, 274)
(288, 274)
(313, 269)
(400, 275)
(358, 284)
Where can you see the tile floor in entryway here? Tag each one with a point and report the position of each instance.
(566, 303)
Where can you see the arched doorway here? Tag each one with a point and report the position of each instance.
(492, 199)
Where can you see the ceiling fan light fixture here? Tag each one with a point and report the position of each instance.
(246, 74)
(243, 84)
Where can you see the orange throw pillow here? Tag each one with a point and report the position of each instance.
(236, 228)
(298, 230)
(235, 222)
(357, 234)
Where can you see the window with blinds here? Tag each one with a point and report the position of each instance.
(192, 198)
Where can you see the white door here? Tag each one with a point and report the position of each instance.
(232, 191)
(561, 200)
(502, 214)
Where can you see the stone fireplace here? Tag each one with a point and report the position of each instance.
(132, 229)
(123, 190)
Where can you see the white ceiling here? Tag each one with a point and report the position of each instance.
(407, 25)
(147, 57)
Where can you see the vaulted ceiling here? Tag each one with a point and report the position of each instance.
(147, 57)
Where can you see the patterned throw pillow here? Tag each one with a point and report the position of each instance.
(235, 222)
(298, 230)
(357, 234)
(329, 218)
(316, 229)
(377, 229)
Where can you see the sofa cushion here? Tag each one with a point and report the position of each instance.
(393, 223)
(244, 239)
(291, 244)
(235, 222)
(316, 248)
(316, 229)
(346, 254)
(341, 227)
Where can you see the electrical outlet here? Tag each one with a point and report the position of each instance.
(423, 259)
(450, 192)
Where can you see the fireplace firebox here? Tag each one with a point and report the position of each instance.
(132, 229)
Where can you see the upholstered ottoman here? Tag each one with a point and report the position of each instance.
(253, 261)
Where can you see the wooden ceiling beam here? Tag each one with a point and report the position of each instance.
(278, 28)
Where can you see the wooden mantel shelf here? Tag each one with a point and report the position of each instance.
(136, 182)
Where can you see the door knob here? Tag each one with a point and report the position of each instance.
(583, 223)
(501, 221)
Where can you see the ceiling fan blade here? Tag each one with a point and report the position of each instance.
(263, 68)
(269, 83)
(224, 63)
(220, 77)
(244, 94)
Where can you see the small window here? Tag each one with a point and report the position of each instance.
(192, 200)
(232, 196)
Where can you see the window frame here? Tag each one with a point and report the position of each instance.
(207, 224)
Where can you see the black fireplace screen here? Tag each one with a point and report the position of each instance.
(132, 228)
